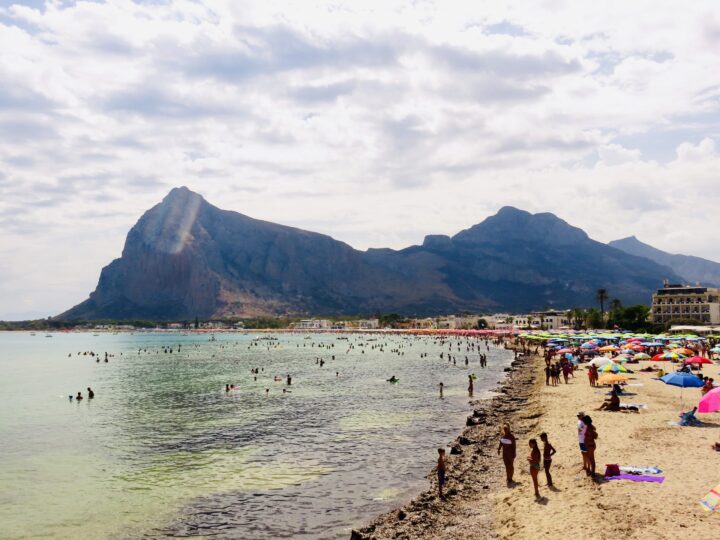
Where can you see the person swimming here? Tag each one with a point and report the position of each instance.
(393, 379)
(91, 394)
(79, 396)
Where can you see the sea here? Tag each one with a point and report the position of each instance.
(164, 451)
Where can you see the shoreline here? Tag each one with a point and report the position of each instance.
(474, 471)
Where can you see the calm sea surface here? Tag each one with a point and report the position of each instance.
(164, 451)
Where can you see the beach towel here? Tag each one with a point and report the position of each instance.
(628, 405)
(711, 501)
(639, 470)
(638, 478)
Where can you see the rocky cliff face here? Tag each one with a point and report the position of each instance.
(186, 258)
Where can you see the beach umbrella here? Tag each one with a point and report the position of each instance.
(710, 402)
(715, 349)
(642, 356)
(599, 361)
(563, 351)
(612, 378)
(667, 356)
(608, 348)
(683, 380)
(684, 351)
(697, 360)
(612, 367)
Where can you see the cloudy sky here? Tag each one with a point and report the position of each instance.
(374, 122)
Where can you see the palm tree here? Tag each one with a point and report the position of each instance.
(601, 296)
(578, 315)
(615, 304)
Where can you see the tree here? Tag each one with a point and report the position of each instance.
(594, 319)
(633, 318)
(482, 324)
(577, 316)
(615, 304)
(601, 296)
(197, 323)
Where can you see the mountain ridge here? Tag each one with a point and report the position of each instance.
(691, 269)
(185, 258)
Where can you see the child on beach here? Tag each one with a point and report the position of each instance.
(548, 453)
(441, 471)
(534, 459)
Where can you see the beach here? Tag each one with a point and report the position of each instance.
(480, 505)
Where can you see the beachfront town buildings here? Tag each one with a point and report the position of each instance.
(547, 320)
(686, 303)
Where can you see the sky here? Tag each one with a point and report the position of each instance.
(374, 122)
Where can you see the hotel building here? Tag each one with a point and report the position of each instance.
(674, 303)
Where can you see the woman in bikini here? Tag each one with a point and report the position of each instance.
(591, 436)
(548, 452)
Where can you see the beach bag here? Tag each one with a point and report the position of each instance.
(612, 470)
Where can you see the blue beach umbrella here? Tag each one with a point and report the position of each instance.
(683, 380)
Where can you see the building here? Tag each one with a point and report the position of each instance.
(312, 324)
(686, 303)
(550, 320)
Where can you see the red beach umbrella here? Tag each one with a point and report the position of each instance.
(697, 360)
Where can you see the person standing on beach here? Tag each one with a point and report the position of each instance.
(534, 459)
(548, 453)
(508, 447)
(470, 385)
(590, 436)
(441, 472)
(582, 430)
(441, 389)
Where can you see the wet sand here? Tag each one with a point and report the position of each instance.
(481, 506)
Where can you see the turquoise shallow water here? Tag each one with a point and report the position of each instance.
(163, 450)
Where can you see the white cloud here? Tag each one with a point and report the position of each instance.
(376, 122)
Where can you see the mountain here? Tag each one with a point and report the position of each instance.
(186, 258)
(690, 269)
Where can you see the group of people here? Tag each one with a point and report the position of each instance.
(553, 370)
(79, 396)
(537, 459)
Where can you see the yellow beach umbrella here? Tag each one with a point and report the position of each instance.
(612, 378)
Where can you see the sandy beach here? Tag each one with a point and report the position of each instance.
(480, 505)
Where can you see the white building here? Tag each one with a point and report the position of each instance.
(701, 305)
(313, 324)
